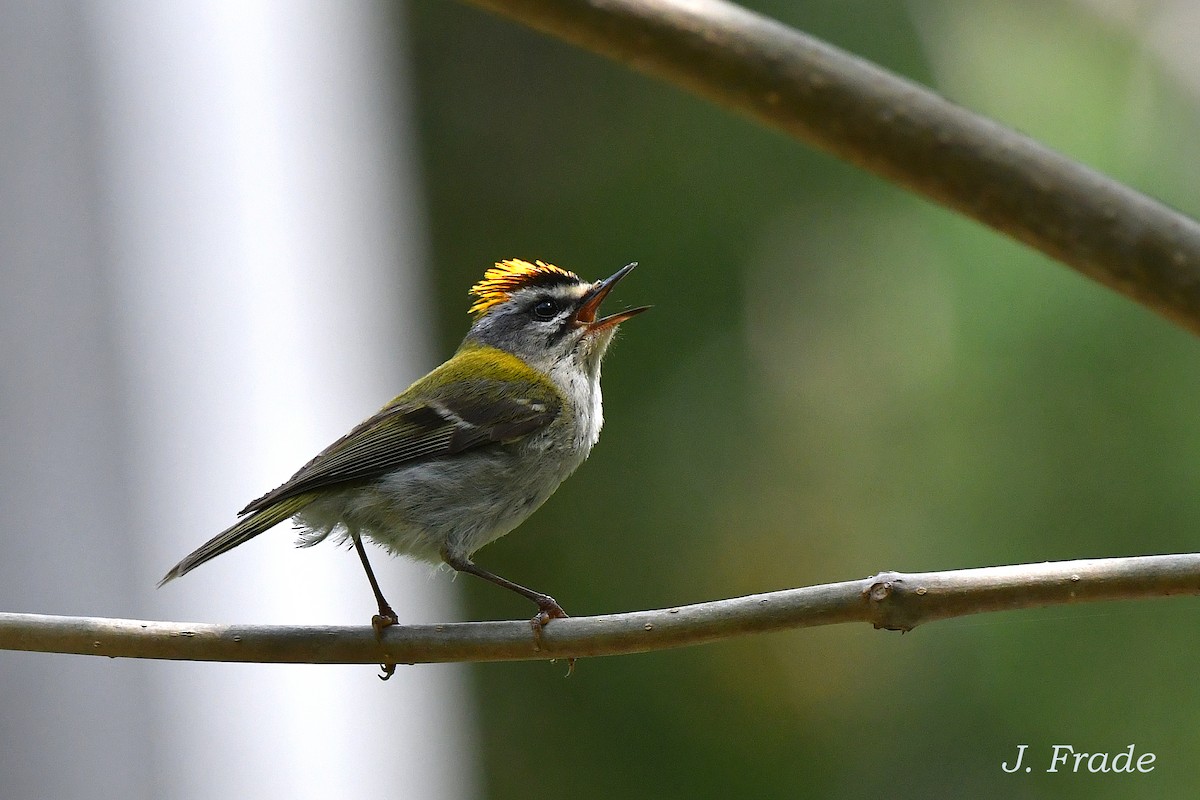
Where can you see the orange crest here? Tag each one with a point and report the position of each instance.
(510, 275)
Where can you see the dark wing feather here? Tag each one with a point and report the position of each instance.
(406, 432)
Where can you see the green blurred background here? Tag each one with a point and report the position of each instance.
(837, 378)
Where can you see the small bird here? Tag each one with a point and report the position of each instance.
(467, 452)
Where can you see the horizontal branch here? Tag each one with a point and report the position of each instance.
(891, 600)
(898, 129)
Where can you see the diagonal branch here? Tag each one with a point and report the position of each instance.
(892, 600)
(899, 130)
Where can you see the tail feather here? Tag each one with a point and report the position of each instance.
(241, 531)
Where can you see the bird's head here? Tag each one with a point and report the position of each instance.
(544, 314)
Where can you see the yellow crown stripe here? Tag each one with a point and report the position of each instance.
(508, 276)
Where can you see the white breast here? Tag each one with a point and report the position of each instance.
(583, 393)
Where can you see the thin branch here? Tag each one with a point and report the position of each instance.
(891, 600)
(899, 130)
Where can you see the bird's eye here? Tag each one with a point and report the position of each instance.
(544, 309)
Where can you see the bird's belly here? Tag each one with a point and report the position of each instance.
(456, 505)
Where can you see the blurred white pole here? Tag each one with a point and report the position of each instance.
(256, 212)
(268, 260)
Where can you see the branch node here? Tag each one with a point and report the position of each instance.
(893, 602)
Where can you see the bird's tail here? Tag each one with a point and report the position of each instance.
(243, 530)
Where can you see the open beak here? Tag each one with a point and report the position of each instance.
(586, 315)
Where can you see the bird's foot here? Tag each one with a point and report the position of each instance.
(385, 618)
(548, 609)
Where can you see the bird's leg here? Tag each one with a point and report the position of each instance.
(386, 616)
(548, 607)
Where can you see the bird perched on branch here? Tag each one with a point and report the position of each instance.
(467, 452)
